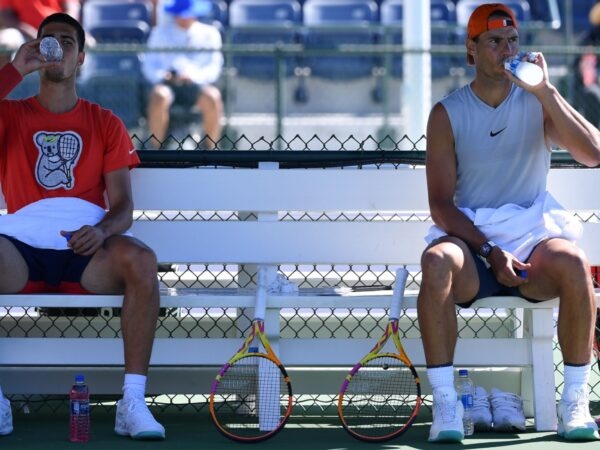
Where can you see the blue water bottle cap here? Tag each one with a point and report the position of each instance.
(463, 373)
(79, 378)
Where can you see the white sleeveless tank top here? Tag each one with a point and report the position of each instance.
(502, 156)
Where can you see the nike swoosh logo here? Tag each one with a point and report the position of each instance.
(132, 151)
(492, 134)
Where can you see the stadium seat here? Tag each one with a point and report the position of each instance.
(580, 10)
(464, 8)
(333, 24)
(123, 63)
(114, 80)
(112, 21)
(443, 23)
(263, 22)
(218, 15)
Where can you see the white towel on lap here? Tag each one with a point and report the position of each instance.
(517, 229)
(39, 224)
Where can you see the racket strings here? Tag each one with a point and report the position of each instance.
(68, 146)
(380, 398)
(251, 398)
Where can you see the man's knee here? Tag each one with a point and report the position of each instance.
(161, 94)
(442, 257)
(567, 258)
(135, 259)
(210, 97)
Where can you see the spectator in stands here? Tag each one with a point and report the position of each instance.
(184, 78)
(26, 16)
(488, 157)
(587, 83)
(59, 234)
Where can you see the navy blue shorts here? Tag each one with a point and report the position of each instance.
(52, 270)
(489, 286)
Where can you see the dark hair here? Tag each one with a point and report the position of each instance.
(64, 18)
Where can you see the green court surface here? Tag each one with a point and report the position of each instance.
(194, 430)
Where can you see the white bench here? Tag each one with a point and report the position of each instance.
(27, 359)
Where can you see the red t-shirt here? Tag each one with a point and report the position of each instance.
(33, 12)
(44, 155)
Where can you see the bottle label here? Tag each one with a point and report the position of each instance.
(467, 400)
(84, 408)
(80, 407)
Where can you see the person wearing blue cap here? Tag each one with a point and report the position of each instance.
(185, 78)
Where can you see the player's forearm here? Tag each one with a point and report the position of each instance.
(455, 223)
(117, 220)
(572, 130)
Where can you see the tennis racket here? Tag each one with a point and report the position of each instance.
(381, 396)
(68, 148)
(251, 396)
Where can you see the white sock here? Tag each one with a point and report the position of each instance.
(442, 382)
(134, 385)
(576, 380)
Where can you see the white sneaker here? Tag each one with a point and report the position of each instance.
(575, 422)
(6, 423)
(481, 412)
(507, 411)
(135, 419)
(447, 425)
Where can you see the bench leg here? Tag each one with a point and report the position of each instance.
(541, 331)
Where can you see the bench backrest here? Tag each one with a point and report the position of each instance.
(268, 191)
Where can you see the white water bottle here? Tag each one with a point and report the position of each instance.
(466, 391)
(526, 71)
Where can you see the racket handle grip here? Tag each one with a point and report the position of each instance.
(398, 292)
(261, 293)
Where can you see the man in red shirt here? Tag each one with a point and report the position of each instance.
(60, 158)
(26, 16)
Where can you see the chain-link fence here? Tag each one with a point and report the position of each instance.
(303, 323)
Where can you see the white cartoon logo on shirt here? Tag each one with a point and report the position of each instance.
(59, 153)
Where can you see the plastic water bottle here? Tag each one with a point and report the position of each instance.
(525, 71)
(79, 406)
(465, 391)
(50, 49)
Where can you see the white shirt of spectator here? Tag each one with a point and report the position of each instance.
(202, 67)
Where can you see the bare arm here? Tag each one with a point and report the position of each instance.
(88, 239)
(562, 123)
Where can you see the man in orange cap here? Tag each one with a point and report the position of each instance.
(488, 157)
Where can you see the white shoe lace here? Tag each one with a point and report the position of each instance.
(480, 402)
(578, 410)
(446, 411)
(507, 400)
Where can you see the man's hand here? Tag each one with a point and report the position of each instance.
(507, 268)
(29, 59)
(86, 241)
(540, 62)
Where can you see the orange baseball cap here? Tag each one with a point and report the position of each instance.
(480, 22)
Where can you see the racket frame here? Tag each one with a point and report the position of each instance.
(391, 329)
(257, 331)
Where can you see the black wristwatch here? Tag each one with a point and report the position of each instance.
(486, 249)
